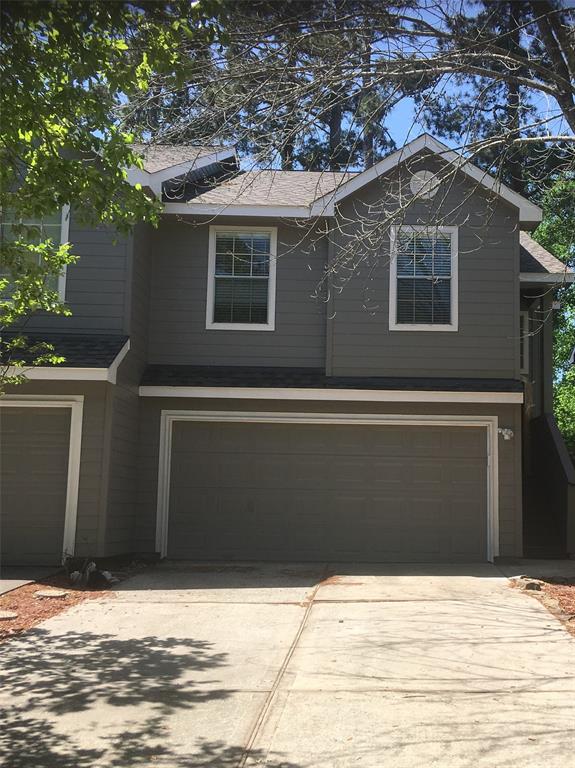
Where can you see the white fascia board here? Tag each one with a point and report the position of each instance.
(558, 278)
(60, 373)
(341, 395)
(528, 212)
(267, 211)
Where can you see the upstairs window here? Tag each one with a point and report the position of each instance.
(53, 227)
(423, 279)
(241, 279)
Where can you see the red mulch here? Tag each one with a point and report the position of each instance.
(557, 595)
(33, 610)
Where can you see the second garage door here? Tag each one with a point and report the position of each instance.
(307, 492)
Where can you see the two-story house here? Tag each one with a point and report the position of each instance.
(297, 366)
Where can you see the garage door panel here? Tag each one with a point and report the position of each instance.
(34, 445)
(327, 492)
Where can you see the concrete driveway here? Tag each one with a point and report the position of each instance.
(406, 667)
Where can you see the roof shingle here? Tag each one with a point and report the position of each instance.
(309, 378)
(92, 350)
(157, 157)
(534, 258)
(274, 188)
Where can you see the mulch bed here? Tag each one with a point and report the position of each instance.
(556, 594)
(33, 610)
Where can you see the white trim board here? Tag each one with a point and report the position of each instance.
(338, 395)
(65, 373)
(76, 405)
(194, 208)
(169, 417)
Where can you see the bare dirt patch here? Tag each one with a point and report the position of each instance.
(556, 594)
(32, 610)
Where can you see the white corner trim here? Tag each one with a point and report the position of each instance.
(557, 278)
(454, 282)
(169, 417)
(112, 371)
(528, 212)
(76, 405)
(155, 180)
(334, 395)
(237, 209)
(210, 297)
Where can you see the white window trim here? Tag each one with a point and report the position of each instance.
(76, 405)
(169, 417)
(393, 324)
(64, 238)
(271, 323)
(524, 336)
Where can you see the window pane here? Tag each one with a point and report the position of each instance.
(242, 264)
(241, 256)
(405, 265)
(224, 264)
(442, 256)
(261, 264)
(423, 301)
(240, 300)
(442, 302)
(425, 257)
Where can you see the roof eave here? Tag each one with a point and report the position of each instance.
(558, 278)
(238, 209)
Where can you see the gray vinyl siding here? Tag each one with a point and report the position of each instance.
(510, 492)
(96, 285)
(178, 332)
(486, 344)
(125, 405)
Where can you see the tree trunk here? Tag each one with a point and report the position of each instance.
(335, 148)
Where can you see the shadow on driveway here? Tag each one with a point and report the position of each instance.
(79, 671)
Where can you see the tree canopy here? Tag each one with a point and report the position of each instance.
(67, 68)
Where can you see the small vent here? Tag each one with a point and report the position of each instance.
(424, 184)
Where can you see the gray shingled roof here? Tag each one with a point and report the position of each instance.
(309, 378)
(94, 350)
(273, 188)
(534, 258)
(157, 157)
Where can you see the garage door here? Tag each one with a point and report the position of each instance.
(327, 492)
(34, 444)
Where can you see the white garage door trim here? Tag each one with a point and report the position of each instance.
(76, 405)
(169, 417)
